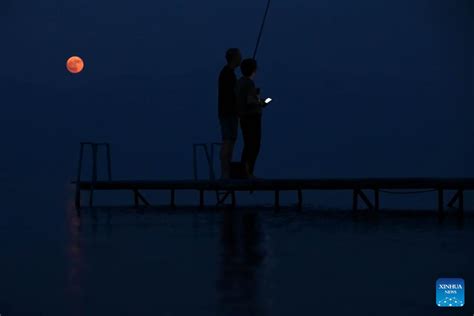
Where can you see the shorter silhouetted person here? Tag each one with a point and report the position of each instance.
(227, 109)
(249, 107)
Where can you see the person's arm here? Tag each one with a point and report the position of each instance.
(226, 82)
(253, 97)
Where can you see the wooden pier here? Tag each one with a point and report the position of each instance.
(224, 190)
(360, 189)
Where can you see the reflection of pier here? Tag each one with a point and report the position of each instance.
(75, 256)
(242, 264)
(359, 187)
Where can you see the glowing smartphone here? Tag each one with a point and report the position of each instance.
(268, 100)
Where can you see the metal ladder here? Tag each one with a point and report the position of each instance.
(94, 152)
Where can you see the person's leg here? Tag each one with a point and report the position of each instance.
(229, 129)
(245, 126)
(227, 150)
(256, 128)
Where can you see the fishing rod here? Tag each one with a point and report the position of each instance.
(261, 29)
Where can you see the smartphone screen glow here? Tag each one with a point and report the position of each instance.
(268, 100)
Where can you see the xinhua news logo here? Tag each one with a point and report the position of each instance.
(450, 292)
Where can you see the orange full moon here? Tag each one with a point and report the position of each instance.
(75, 64)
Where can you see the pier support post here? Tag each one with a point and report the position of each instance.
(376, 200)
(440, 201)
(173, 199)
(277, 199)
(201, 199)
(91, 196)
(77, 201)
(355, 199)
(135, 198)
(300, 199)
(461, 202)
(234, 200)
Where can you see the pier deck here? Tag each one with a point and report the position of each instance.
(359, 188)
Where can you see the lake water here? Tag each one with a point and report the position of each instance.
(250, 261)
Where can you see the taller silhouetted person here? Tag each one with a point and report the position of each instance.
(249, 107)
(227, 109)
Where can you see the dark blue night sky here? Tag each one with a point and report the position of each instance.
(361, 88)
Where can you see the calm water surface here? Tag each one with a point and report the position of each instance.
(244, 262)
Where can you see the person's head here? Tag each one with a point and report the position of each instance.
(248, 67)
(233, 57)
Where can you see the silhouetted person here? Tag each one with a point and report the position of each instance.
(250, 107)
(227, 109)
